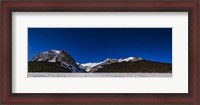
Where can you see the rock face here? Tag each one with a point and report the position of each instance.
(61, 56)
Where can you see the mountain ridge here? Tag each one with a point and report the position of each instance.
(64, 60)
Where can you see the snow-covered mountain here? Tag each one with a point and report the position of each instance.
(88, 66)
(60, 56)
(65, 60)
(92, 67)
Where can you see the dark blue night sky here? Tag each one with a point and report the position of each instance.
(97, 44)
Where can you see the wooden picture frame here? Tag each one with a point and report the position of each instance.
(9, 6)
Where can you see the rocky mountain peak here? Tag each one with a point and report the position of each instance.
(58, 56)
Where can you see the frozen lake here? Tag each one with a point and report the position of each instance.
(99, 74)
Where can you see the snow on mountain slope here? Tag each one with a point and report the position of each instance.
(130, 59)
(91, 67)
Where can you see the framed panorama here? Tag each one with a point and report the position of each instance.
(95, 52)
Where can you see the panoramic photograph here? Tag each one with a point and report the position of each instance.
(99, 52)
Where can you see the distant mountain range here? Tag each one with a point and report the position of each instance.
(61, 61)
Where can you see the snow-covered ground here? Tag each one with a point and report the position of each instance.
(99, 74)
